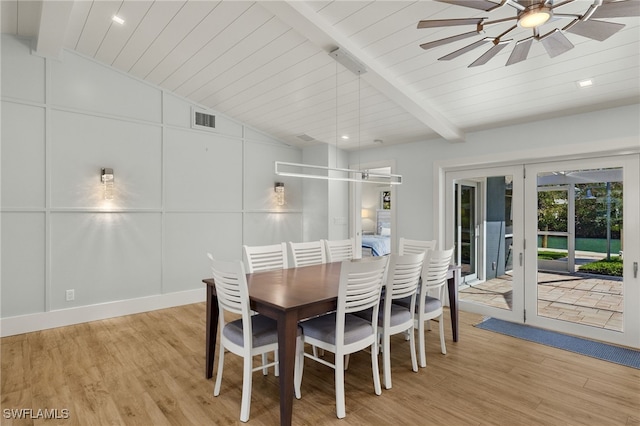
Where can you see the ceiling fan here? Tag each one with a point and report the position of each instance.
(532, 14)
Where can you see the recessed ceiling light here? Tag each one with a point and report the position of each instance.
(585, 83)
(345, 137)
(117, 19)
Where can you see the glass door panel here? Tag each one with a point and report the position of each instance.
(578, 280)
(486, 228)
(466, 231)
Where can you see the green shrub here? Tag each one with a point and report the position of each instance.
(612, 267)
(551, 255)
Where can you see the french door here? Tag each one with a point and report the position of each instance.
(582, 233)
(553, 244)
(484, 225)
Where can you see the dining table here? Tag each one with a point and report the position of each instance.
(289, 296)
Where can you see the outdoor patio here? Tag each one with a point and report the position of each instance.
(585, 299)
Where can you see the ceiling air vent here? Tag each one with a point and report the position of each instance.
(305, 137)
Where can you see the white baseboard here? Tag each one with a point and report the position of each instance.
(63, 317)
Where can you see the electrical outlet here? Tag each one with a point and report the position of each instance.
(71, 294)
(493, 266)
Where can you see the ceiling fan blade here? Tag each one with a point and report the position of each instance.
(556, 43)
(618, 9)
(559, 4)
(447, 40)
(465, 49)
(485, 5)
(434, 23)
(490, 53)
(520, 51)
(497, 21)
(596, 30)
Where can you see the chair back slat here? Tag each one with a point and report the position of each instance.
(415, 246)
(310, 253)
(339, 250)
(361, 284)
(435, 270)
(404, 275)
(265, 258)
(231, 288)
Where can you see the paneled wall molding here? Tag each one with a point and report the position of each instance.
(183, 192)
(240, 139)
(283, 211)
(99, 114)
(22, 101)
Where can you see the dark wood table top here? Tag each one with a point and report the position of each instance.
(293, 288)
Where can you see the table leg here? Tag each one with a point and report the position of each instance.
(452, 285)
(287, 334)
(212, 330)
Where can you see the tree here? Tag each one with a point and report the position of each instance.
(591, 210)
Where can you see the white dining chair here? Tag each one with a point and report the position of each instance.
(342, 332)
(339, 250)
(248, 336)
(428, 307)
(265, 258)
(309, 253)
(407, 246)
(402, 282)
(306, 254)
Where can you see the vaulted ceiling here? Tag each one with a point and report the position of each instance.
(267, 63)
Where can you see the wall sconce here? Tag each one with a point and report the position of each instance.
(279, 190)
(106, 177)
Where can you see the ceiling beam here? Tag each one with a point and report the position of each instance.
(303, 19)
(54, 19)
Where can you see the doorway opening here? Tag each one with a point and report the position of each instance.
(375, 213)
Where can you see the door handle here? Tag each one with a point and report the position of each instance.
(520, 259)
(635, 269)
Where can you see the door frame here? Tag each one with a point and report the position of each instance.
(355, 205)
(584, 151)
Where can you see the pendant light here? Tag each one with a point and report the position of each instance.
(311, 171)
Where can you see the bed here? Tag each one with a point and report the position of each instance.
(378, 244)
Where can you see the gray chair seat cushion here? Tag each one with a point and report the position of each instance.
(323, 328)
(265, 331)
(431, 303)
(399, 314)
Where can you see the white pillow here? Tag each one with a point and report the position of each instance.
(385, 232)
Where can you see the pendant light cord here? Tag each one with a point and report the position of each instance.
(336, 165)
(359, 166)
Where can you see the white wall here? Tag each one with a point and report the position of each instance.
(316, 213)
(417, 204)
(182, 192)
(179, 193)
(339, 199)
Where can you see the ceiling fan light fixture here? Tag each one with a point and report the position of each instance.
(534, 16)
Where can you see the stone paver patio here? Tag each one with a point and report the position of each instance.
(584, 299)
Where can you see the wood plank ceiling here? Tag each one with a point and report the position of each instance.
(266, 64)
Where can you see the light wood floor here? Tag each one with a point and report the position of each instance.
(148, 369)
